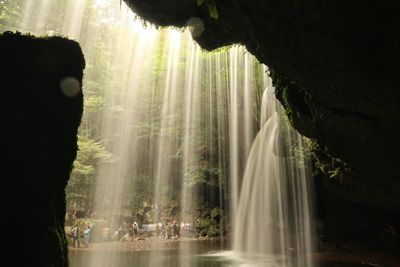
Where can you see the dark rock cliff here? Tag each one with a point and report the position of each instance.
(334, 65)
(41, 110)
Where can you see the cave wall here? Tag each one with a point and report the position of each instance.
(39, 144)
(334, 66)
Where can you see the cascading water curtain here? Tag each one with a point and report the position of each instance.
(274, 223)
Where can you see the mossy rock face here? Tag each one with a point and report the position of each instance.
(40, 123)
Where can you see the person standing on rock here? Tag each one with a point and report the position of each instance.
(87, 235)
(75, 236)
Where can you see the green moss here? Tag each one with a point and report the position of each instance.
(281, 85)
(286, 104)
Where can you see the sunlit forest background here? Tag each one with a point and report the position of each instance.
(106, 82)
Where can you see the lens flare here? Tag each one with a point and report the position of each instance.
(70, 86)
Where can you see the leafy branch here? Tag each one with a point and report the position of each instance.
(212, 8)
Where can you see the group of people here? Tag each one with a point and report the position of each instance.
(127, 231)
(173, 230)
(76, 235)
(162, 231)
(168, 230)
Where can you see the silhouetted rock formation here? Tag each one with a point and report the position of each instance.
(41, 110)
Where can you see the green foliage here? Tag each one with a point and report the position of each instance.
(303, 152)
(10, 14)
(202, 174)
(142, 191)
(204, 223)
(338, 169)
(212, 8)
(94, 102)
(219, 50)
(330, 166)
(79, 191)
(282, 84)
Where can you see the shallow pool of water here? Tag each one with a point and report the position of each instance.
(164, 259)
(194, 254)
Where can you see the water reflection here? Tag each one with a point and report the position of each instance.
(172, 258)
(204, 253)
(137, 253)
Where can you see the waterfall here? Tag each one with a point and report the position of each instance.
(274, 212)
(179, 125)
(242, 84)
